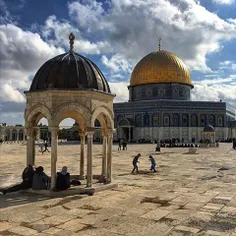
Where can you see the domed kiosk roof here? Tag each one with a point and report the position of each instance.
(160, 67)
(209, 128)
(69, 71)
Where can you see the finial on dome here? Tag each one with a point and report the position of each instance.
(159, 44)
(71, 38)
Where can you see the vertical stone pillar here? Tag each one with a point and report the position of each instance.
(90, 133)
(104, 154)
(30, 146)
(129, 134)
(17, 135)
(82, 142)
(10, 134)
(109, 156)
(54, 132)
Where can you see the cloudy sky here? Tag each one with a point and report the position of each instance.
(116, 34)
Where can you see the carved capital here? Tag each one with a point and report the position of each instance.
(109, 133)
(54, 130)
(30, 132)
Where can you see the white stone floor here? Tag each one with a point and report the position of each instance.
(191, 194)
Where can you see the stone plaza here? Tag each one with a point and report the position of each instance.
(191, 194)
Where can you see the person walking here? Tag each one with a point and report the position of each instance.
(120, 144)
(153, 163)
(45, 147)
(124, 144)
(135, 163)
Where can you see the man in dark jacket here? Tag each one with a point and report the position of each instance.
(40, 179)
(135, 163)
(63, 179)
(27, 177)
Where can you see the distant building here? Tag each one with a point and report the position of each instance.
(12, 133)
(160, 105)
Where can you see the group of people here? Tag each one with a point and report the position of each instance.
(122, 143)
(136, 161)
(36, 179)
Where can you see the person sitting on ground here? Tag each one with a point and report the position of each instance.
(27, 177)
(63, 179)
(40, 179)
(153, 163)
(135, 163)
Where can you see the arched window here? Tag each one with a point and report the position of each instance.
(194, 121)
(185, 120)
(220, 121)
(175, 120)
(155, 120)
(124, 122)
(212, 120)
(166, 120)
(203, 120)
(146, 119)
(138, 121)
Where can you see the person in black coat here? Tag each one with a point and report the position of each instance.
(135, 163)
(63, 179)
(27, 177)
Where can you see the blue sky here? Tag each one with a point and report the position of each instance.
(116, 34)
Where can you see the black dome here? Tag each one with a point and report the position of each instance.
(69, 71)
(209, 128)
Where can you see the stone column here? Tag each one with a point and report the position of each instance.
(54, 132)
(104, 154)
(10, 135)
(109, 156)
(17, 135)
(82, 142)
(129, 134)
(30, 146)
(90, 133)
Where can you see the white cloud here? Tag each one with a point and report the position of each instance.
(117, 63)
(133, 27)
(230, 65)
(121, 91)
(8, 93)
(61, 30)
(226, 2)
(22, 53)
(214, 92)
(214, 81)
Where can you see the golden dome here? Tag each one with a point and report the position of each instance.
(160, 67)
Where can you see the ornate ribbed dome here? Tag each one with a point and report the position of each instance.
(209, 128)
(160, 67)
(69, 71)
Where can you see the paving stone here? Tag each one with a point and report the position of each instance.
(4, 226)
(155, 214)
(72, 225)
(187, 229)
(52, 230)
(212, 232)
(21, 230)
(55, 220)
(213, 207)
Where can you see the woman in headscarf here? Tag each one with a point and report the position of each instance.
(63, 179)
